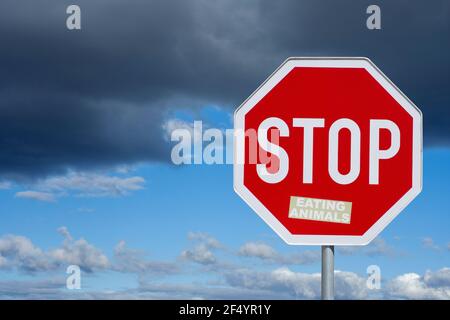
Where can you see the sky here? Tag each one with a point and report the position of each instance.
(85, 171)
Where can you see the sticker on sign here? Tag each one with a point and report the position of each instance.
(320, 210)
(339, 151)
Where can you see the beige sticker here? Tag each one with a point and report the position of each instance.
(334, 211)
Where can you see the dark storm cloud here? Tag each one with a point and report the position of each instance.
(98, 97)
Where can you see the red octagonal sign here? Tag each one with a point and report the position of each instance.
(328, 151)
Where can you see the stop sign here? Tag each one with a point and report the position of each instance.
(328, 151)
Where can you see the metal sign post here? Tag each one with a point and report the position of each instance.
(327, 272)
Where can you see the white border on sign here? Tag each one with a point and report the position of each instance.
(266, 87)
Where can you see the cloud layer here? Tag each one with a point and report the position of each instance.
(213, 272)
(99, 97)
(81, 184)
(20, 254)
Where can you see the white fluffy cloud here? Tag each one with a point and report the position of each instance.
(134, 261)
(52, 288)
(259, 250)
(287, 284)
(202, 252)
(36, 195)
(176, 124)
(4, 185)
(19, 253)
(428, 243)
(205, 238)
(267, 253)
(78, 252)
(82, 184)
(432, 285)
(280, 281)
(378, 247)
(91, 185)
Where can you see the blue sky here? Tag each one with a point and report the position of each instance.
(176, 203)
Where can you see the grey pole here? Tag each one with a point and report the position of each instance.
(327, 272)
